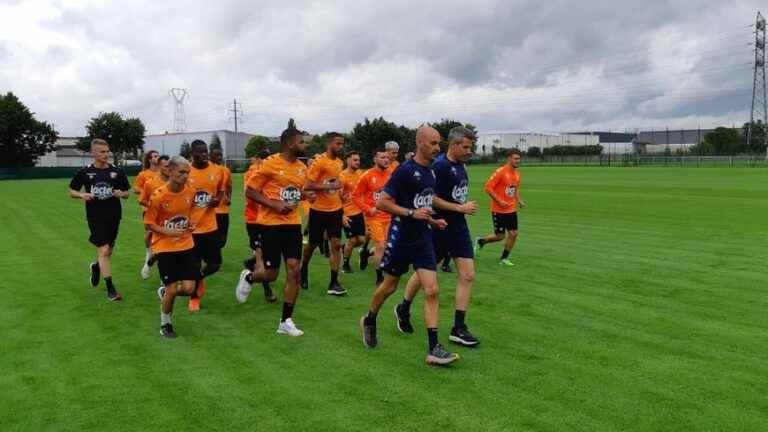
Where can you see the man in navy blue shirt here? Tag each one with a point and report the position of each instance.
(104, 184)
(455, 241)
(408, 197)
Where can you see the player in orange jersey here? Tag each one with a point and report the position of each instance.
(365, 195)
(354, 221)
(151, 170)
(278, 188)
(208, 181)
(251, 212)
(325, 213)
(504, 189)
(169, 217)
(150, 186)
(222, 211)
(393, 150)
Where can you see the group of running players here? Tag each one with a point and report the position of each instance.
(402, 216)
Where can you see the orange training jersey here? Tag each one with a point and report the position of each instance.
(141, 178)
(150, 186)
(367, 191)
(172, 211)
(223, 208)
(505, 183)
(348, 183)
(280, 180)
(322, 170)
(207, 183)
(251, 208)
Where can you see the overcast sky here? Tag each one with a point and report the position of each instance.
(500, 64)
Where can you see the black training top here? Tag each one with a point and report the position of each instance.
(101, 182)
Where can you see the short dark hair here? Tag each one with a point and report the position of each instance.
(514, 151)
(380, 150)
(197, 143)
(330, 136)
(352, 153)
(288, 135)
(163, 157)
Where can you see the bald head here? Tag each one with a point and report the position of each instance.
(427, 145)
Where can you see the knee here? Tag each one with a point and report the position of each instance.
(467, 276)
(512, 234)
(431, 290)
(293, 272)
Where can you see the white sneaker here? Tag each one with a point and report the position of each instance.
(289, 328)
(243, 288)
(146, 271)
(161, 292)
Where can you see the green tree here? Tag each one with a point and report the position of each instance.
(369, 135)
(444, 126)
(125, 136)
(185, 150)
(256, 144)
(757, 141)
(725, 141)
(215, 143)
(22, 138)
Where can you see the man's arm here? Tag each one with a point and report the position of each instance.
(490, 185)
(470, 207)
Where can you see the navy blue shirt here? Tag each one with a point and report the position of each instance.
(452, 186)
(411, 186)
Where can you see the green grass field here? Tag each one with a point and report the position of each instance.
(638, 303)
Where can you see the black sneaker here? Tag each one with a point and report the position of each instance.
(268, 294)
(166, 331)
(462, 336)
(346, 268)
(249, 263)
(95, 274)
(368, 333)
(364, 255)
(403, 319)
(336, 289)
(447, 268)
(113, 295)
(439, 356)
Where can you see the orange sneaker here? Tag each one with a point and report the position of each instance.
(194, 304)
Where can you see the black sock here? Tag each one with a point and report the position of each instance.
(406, 304)
(432, 337)
(265, 285)
(108, 281)
(481, 242)
(379, 276)
(370, 319)
(505, 254)
(151, 261)
(346, 261)
(334, 276)
(250, 263)
(458, 318)
(287, 311)
(249, 278)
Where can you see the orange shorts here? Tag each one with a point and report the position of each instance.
(377, 229)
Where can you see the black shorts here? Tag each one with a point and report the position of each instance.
(178, 266)
(399, 257)
(321, 222)
(208, 247)
(356, 226)
(454, 241)
(222, 221)
(503, 222)
(280, 242)
(254, 235)
(103, 231)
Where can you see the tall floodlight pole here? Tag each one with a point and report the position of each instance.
(759, 99)
(179, 119)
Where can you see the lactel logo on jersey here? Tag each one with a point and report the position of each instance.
(424, 198)
(511, 191)
(460, 192)
(291, 195)
(202, 198)
(102, 191)
(177, 223)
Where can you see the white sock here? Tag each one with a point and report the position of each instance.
(165, 318)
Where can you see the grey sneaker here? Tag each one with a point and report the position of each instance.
(369, 334)
(439, 356)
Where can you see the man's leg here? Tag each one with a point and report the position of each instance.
(509, 244)
(290, 296)
(436, 354)
(166, 310)
(105, 269)
(368, 323)
(466, 275)
(378, 253)
(334, 287)
(403, 309)
(309, 249)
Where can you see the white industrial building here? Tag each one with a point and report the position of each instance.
(525, 140)
(232, 143)
(66, 155)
